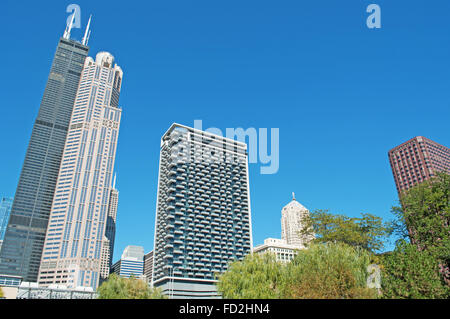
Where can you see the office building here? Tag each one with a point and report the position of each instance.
(25, 234)
(110, 234)
(5, 211)
(203, 217)
(292, 222)
(293, 217)
(75, 240)
(417, 160)
(131, 263)
(148, 266)
(283, 252)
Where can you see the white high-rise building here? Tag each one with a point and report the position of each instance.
(75, 238)
(131, 263)
(292, 221)
(203, 217)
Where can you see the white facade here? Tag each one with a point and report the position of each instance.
(283, 252)
(75, 235)
(203, 216)
(292, 221)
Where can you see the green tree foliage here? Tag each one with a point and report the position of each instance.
(329, 271)
(256, 277)
(368, 231)
(411, 273)
(322, 271)
(1, 293)
(117, 287)
(426, 213)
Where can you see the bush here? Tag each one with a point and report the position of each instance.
(412, 273)
(117, 287)
(329, 271)
(256, 277)
(323, 271)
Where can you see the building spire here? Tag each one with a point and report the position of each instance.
(69, 26)
(293, 196)
(87, 33)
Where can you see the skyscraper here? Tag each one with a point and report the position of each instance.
(5, 211)
(77, 226)
(203, 218)
(22, 247)
(131, 263)
(292, 221)
(148, 266)
(110, 234)
(417, 160)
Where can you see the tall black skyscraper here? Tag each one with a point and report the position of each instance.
(25, 234)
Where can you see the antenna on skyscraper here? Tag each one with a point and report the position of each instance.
(87, 33)
(69, 26)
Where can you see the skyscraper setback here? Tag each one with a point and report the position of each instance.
(22, 247)
(203, 217)
(417, 160)
(76, 241)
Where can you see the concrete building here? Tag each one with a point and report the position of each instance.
(131, 263)
(292, 221)
(279, 248)
(417, 160)
(148, 267)
(75, 241)
(25, 234)
(31, 290)
(203, 217)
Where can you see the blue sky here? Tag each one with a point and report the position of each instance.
(341, 94)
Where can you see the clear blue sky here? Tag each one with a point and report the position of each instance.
(341, 94)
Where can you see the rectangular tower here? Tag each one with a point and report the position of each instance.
(417, 160)
(148, 266)
(131, 263)
(203, 218)
(22, 247)
(110, 234)
(77, 225)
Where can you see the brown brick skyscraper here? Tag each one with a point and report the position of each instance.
(417, 160)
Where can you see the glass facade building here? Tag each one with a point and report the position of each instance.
(203, 218)
(5, 211)
(131, 263)
(75, 242)
(25, 234)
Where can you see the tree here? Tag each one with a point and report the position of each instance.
(425, 217)
(368, 232)
(117, 287)
(255, 277)
(411, 273)
(329, 271)
(322, 271)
